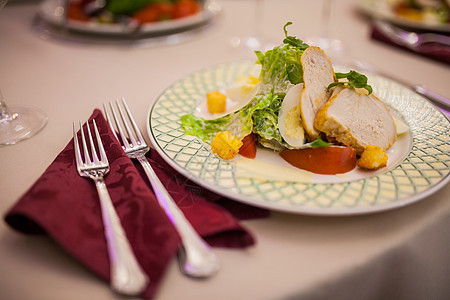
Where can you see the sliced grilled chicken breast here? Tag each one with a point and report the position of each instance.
(317, 75)
(357, 120)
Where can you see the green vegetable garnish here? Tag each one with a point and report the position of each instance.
(125, 6)
(292, 40)
(265, 118)
(281, 67)
(320, 143)
(355, 79)
(240, 122)
(129, 7)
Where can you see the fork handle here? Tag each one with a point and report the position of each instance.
(196, 258)
(127, 276)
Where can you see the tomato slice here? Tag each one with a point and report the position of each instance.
(248, 148)
(184, 8)
(322, 160)
(75, 12)
(155, 12)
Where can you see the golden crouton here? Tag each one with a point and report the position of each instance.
(373, 158)
(225, 145)
(216, 102)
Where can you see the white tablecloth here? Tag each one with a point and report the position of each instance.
(400, 254)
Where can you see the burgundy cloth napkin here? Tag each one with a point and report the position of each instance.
(66, 207)
(433, 51)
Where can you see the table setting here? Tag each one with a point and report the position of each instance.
(119, 193)
(27, 216)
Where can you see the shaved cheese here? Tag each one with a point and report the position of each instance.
(250, 168)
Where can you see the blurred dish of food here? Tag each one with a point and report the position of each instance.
(428, 11)
(119, 17)
(427, 15)
(143, 11)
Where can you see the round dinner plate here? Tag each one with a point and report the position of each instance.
(419, 162)
(51, 11)
(381, 9)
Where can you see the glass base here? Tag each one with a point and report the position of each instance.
(22, 123)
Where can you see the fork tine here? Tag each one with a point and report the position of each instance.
(76, 146)
(110, 121)
(133, 122)
(87, 159)
(101, 149)
(119, 127)
(126, 123)
(91, 141)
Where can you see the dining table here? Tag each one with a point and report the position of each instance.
(398, 253)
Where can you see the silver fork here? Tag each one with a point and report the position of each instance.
(127, 276)
(195, 257)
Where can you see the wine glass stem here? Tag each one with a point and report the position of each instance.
(4, 114)
(3, 109)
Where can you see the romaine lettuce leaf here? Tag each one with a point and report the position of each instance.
(206, 129)
(281, 67)
(128, 7)
(260, 115)
(240, 123)
(266, 118)
(280, 70)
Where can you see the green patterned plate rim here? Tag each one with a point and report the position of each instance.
(420, 172)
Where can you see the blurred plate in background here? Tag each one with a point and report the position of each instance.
(52, 11)
(383, 9)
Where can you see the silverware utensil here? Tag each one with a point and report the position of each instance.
(195, 257)
(127, 277)
(410, 39)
